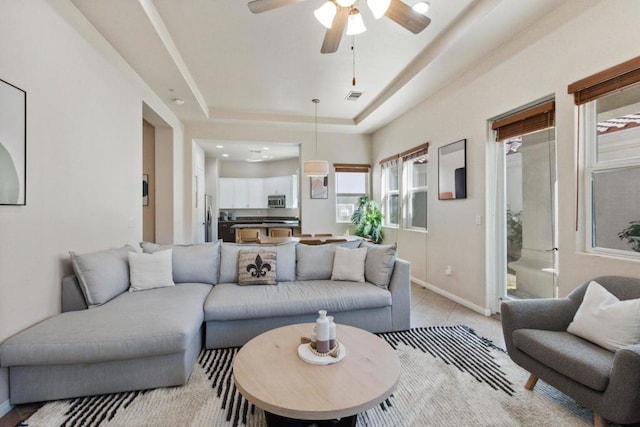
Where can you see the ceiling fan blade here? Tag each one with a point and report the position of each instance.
(259, 6)
(334, 34)
(403, 14)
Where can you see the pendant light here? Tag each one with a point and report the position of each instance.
(317, 168)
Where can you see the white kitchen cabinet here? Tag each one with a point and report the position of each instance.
(255, 193)
(283, 185)
(225, 191)
(251, 193)
(242, 193)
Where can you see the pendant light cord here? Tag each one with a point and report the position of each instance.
(316, 101)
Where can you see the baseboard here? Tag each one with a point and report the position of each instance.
(482, 310)
(5, 407)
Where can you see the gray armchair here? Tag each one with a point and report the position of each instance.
(535, 333)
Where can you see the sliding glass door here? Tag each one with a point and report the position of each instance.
(530, 216)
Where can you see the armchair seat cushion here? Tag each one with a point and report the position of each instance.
(567, 354)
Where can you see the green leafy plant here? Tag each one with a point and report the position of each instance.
(367, 219)
(632, 235)
(514, 235)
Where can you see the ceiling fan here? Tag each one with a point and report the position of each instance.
(338, 15)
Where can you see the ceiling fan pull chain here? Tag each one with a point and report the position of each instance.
(353, 52)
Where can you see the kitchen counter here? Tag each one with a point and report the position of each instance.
(228, 229)
(285, 224)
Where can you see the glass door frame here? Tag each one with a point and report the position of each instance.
(496, 224)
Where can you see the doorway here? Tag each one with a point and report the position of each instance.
(522, 257)
(530, 216)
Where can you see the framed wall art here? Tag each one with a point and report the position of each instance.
(145, 189)
(452, 171)
(13, 145)
(319, 187)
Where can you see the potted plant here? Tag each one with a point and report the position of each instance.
(367, 219)
(632, 235)
(514, 235)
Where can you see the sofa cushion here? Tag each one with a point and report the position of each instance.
(348, 264)
(132, 325)
(315, 262)
(285, 256)
(257, 267)
(149, 271)
(232, 302)
(605, 320)
(197, 263)
(379, 263)
(102, 275)
(567, 354)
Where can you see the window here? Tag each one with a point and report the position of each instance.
(352, 182)
(414, 163)
(610, 117)
(391, 191)
(417, 193)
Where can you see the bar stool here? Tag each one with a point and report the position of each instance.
(249, 235)
(280, 232)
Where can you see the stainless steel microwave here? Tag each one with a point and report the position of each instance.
(276, 201)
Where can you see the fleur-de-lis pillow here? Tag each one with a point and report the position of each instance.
(256, 267)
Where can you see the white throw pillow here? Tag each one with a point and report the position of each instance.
(348, 264)
(149, 271)
(605, 320)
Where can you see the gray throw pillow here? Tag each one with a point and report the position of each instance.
(378, 265)
(257, 267)
(102, 275)
(285, 255)
(315, 262)
(197, 263)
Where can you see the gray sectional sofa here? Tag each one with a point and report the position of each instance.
(108, 339)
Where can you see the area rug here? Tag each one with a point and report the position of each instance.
(449, 377)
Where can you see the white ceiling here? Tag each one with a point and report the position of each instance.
(228, 64)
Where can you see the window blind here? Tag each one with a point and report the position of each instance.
(415, 152)
(532, 119)
(351, 167)
(390, 161)
(606, 82)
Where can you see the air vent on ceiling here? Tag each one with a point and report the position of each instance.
(353, 96)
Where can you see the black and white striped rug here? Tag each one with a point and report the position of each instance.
(450, 377)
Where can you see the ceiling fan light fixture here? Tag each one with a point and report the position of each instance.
(355, 24)
(325, 13)
(378, 7)
(346, 3)
(422, 7)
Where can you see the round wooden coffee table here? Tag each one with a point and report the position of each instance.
(269, 373)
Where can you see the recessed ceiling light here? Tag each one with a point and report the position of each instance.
(177, 101)
(253, 160)
(421, 7)
(265, 156)
(265, 148)
(225, 155)
(219, 146)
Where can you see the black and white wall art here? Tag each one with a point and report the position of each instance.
(13, 144)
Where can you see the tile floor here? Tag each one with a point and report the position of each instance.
(427, 309)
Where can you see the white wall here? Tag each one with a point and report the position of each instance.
(84, 158)
(581, 38)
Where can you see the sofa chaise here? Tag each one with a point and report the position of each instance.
(108, 339)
